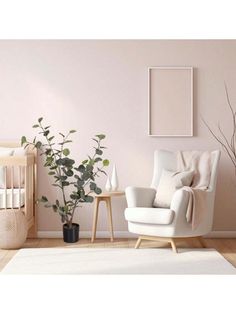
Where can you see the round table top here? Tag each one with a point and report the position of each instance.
(110, 194)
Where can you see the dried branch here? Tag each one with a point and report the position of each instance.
(227, 145)
(219, 140)
(234, 121)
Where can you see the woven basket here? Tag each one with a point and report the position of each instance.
(13, 228)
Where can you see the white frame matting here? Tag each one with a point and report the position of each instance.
(187, 68)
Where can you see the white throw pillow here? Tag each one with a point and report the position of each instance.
(4, 153)
(171, 181)
(19, 151)
(9, 151)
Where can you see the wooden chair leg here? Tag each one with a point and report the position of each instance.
(109, 213)
(200, 239)
(95, 219)
(137, 245)
(173, 245)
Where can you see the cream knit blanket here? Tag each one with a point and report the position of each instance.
(200, 163)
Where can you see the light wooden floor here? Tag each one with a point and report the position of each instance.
(227, 247)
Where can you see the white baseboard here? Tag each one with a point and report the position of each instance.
(221, 234)
(127, 234)
(87, 234)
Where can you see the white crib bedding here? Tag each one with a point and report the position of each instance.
(15, 195)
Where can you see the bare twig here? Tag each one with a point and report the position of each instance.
(234, 120)
(219, 140)
(227, 145)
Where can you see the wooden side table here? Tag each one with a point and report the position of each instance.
(106, 197)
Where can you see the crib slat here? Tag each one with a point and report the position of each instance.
(19, 177)
(12, 187)
(5, 184)
(26, 190)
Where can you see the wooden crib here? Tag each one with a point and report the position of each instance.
(19, 186)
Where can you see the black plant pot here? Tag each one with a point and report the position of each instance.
(71, 235)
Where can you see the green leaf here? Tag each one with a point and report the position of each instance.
(53, 168)
(89, 167)
(40, 119)
(66, 152)
(100, 170)
(98, 190)
(99, 151)
(38, 144)
(81, 168)
(74, 196)
(51, 173)
(67, 162)
(57, 185)
(23, 140)
(79, 183)
(72, 131)
(88, 199)
(63, 178)
(35, 126)
(91, 162)
(101, 136)
(97, 159)
(84, 161)
(85, 176)
(44, 199)
(69, 173)
(51, 138)
(92, 186)
(48, 151)
(105, 162)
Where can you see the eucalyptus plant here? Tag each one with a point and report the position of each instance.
(76, 182)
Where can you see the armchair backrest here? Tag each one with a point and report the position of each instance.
(164, 159)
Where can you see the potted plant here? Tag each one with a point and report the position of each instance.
(75, 182)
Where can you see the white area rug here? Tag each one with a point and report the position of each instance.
(117, 261)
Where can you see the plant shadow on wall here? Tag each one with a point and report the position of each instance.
(228, 144)
(75, 182)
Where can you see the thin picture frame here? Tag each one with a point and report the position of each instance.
(186, 68)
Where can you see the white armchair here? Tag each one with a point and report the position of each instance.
(167, 224)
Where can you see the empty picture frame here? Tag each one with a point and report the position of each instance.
(170, 101)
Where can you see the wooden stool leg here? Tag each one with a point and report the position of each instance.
(137, 245)
(109, 213)
(173, 245)
(95, 218)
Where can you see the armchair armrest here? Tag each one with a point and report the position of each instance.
(179, 203)
(139, 196)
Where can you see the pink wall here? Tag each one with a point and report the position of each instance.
(101, 86)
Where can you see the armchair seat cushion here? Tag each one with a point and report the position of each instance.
(156, 216)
